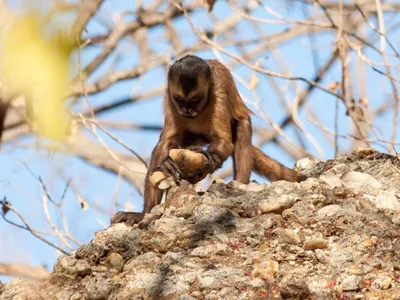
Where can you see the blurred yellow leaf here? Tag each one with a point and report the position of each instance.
(38, 67)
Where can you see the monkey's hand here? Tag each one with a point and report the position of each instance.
(213, 160)
(169, 168)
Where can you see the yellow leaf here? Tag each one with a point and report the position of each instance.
(38, 67)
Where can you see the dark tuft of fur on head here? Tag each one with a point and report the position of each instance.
(188, 70)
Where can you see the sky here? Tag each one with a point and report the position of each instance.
(97, 187)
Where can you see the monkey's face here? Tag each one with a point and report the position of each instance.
(189, 105)
(189, 85)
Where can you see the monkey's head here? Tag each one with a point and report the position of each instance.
(189, 85)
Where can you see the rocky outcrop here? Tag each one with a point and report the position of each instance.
(334, 236)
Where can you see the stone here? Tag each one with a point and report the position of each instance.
(383, 282)
(331, 179)
(354, 179)
(387, 200)
(328, 211)
(91, 252)
(305, 164)
(350, 283)
(209, 250)
(71, 266)
(312, 240)
(288, 236)
(116, 261)
(266, 270)
(294, 286)
(315, 243)
(321, 256)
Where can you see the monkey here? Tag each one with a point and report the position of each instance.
(203, 107)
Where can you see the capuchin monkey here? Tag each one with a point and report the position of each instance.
(203, 108)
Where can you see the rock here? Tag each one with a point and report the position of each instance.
(321, 257)
(279, 240)
(71, 266)
(315, 243)
(168, 225)
(276, 205)
(254, 187)
(270, 207)
(288, 236)
(91, 252)
(178, 196)
(294, 286)
(142, 260)
(76, 296)
(271, 221)
(383, 282)
(207, 251)
(98, 288)
(300, 212)
(305, 164)
(340, 169)
(257, 282)
(266, 270)
(116, 261)
(396, 220)
(387, 200)
(328, 211)
(331, 179)
(354, 180)
(350, 283)
(20, 289)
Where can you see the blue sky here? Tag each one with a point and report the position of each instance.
(97, 187)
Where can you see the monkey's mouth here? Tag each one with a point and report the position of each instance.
(191, 115)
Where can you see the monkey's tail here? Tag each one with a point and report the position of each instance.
(268, 167)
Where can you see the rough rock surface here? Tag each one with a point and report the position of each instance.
(334, 236)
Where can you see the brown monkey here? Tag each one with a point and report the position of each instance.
(203, 107)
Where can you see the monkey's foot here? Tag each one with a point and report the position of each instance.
(130, 218)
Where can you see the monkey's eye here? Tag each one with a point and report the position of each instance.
(178, 98)
(195, 99)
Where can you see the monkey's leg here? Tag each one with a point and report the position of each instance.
(219, 150)
(242, 153)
